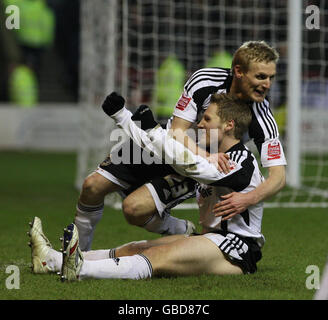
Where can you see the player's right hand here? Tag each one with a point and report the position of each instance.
(221, 161)
(113, 103)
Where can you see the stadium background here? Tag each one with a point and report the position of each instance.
(52, 133)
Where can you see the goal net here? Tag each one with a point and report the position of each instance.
(146, 49)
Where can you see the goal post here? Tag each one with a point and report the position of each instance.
(125, 43)
(98, 58)
(294, 78)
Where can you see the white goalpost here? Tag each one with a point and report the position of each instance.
(125, 43)
(294, 90)
(99, 32)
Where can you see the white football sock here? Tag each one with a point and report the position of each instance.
(86, 220)
(96, 254)
(133, 267)
(54, 260)
(166, 224)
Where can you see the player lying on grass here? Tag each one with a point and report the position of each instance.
(225, 247)
(146, 204)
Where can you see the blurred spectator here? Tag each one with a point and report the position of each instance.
(170, 79)
(220, 59)
(23, 87)
(10, 54)
(36, 32)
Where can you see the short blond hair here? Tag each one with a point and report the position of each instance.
(254, 51)
(232, 108)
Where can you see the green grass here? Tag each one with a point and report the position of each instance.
(314, 175)
(41, 184)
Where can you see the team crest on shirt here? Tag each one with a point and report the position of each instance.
(183, 102)
(274, 151)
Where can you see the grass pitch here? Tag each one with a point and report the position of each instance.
(41, 184)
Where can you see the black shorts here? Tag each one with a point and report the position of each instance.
(166, 187)
(171, 190)
(130, 171)
(241, 251)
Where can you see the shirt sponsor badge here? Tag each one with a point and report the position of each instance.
(274, 151)
(183, 102)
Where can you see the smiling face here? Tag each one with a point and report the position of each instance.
(224, 122)
(254, 84)
(213, 126)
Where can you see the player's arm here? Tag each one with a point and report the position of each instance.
(235, 202)
(114, 107)
(140, 137)
(159, 142)
(178, 131)
(194, 166)
(187, 163)
(272, 185)
(164, 146)
(272, 157)
(185, 114)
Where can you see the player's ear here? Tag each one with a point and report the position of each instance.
(229, 125)
(238, 71)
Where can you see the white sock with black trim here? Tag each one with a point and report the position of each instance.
(86, 219)
(54, 260)
(132, 267)
(166, 224)
(98, 254)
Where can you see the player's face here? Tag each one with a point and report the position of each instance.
(213, 126)
(256, 82)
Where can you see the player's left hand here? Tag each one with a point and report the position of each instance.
(221, 161)
(231, 204)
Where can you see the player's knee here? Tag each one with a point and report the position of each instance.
(90, 186)
(139, 246)
(138, 208)
(135, 212)
(93, 188)
(130, 210)
(159, 260)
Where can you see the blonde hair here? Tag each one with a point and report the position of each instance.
(232, 108)
(254, 51)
